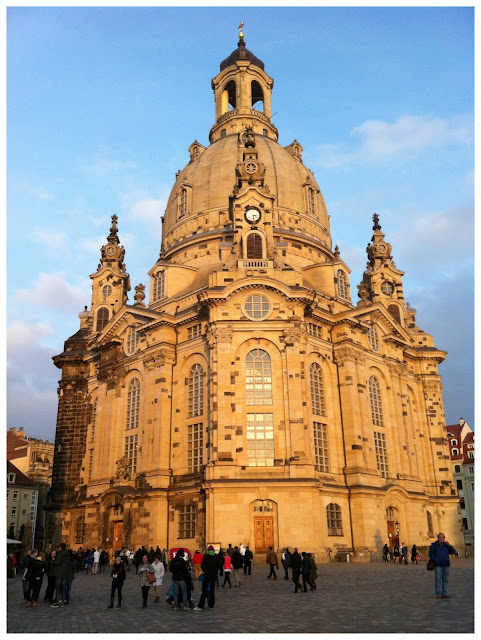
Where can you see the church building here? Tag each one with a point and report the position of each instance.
(243, 396)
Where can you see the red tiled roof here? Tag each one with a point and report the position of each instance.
(20, 478)
(16, 446)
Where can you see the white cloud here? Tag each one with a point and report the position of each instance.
(55, 242)
(148, 209)
(106, 162)
(23, 335)
(409, 135)
(39, 193)
(54, 292)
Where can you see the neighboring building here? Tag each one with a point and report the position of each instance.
(22, 500)
(461, 450)
(248, 399)
(34, 458)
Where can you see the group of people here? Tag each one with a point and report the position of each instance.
(59, 567)
(400, 553)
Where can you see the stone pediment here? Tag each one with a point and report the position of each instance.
(377, 313)
(127, 317)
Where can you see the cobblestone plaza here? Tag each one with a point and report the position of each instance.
(350, 598)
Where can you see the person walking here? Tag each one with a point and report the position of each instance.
(229, 550)
(286, 561)
(104, 561)
(143, 569)
(296, 566)
(61, 568)
(220, 556)
(237, 563)
(25, 575)
(210, 567)
(385, 553)
(227, 570)
(248, 557)
(272, 561)
(95, 566)
(197, 561)
(414, 554)
(36, 569)
(178, 568)
(404, 553)
(118, 576)
(50, 592)
(89, 560)
(439, 553)
(159, 572)
(306, 572)
(313, 571)
(396, 554)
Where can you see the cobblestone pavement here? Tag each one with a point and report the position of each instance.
(350, 598)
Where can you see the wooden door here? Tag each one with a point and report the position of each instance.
(118, 541)
(263, 534)
(391, 532)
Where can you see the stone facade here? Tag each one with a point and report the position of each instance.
(461, 449)
(243, 397)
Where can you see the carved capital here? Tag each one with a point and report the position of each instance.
(346, 354)
(221, 336)
(159, 359)
(398, 370)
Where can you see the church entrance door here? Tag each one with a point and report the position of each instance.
(118, 536)
(391, 533)
(263, 534)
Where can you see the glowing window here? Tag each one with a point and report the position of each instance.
(196, 391)
(257, 307)
(375, 400)
(258, 378)
(133, 402)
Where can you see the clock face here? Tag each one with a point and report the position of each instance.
(381, 248)
(252, 215)
(110, 251)
(251, 167)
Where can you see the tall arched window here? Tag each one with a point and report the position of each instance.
(254, 246)
(257, 96)
(334, 519)
(373, 337)
(258, 378)
(342, 288)
(132, 340)
(159, 285)
(183, 201)
(196, 391)
(317, 390)
(133, 402)
(102, 318)
(375, 400)
(80, 530)
(311, 201)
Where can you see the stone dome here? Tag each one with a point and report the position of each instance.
(241, 53)
(212, 177)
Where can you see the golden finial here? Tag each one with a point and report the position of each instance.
(241, 34)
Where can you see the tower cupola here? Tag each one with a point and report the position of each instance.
(242, 93)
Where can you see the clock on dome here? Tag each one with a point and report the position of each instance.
(110, 251)
(252, 215)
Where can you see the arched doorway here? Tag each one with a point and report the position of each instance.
(117, 520)
(392, 522)
(264, 515)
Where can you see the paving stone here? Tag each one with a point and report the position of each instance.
(350, 598)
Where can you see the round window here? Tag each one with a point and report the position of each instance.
(257, 307)
(106, 291)
(387, 288)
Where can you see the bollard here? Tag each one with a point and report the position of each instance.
(348, 558)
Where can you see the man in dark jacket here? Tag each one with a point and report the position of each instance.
(35, 570)
(296, 564)
(61, 567)
(439, 553)
(286, 562)
(248, 556)
(272, 561)
(237, 561)
(210, 567)
(180, 573)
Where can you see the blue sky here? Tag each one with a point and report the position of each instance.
(103, 103)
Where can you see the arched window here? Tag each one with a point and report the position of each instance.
(342, 288)
(132, 340)
(457, 468)
(80, 530)
(257, 95)
(394, 311)
(133, 402)
(334, 519)
(94, 420)
(102, 318)
(223, 133)
(454, 442)
(454, 452)
(373, 337)
(183, 201)
(258, 378)
(317, 390)
(229, 97)
(159, 285)
(196, 391)
(429, 520)
(311, 201)
(375, 400)
(106, 291)
(254, 246)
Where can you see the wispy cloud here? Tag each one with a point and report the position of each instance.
(105, 162)
(39, 193)
(54, 292)
(55, 242)
(375, 141)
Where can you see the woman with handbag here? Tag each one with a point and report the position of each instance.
(147, 578)
(118, 576)
(159, 572)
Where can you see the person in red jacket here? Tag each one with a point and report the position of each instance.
(197, 561)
